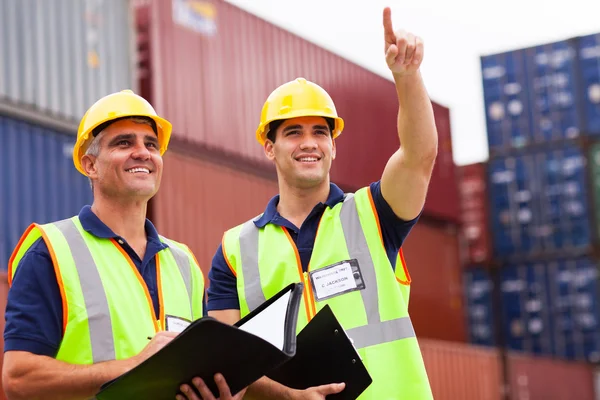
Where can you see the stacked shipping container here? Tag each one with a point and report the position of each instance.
(536, 288)
(66, 54)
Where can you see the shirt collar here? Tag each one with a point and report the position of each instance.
(335, 196)
(94, 225)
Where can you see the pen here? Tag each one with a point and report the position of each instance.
(149, 337)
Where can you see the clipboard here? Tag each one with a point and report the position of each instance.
(208, 346)
(324, 354)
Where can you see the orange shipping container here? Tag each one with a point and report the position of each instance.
(533, 378)
(460, 371)
(436, 306)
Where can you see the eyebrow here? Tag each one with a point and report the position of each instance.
(131, 136)
(294, 127)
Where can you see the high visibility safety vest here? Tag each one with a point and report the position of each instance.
(107, 309)
(265, 260)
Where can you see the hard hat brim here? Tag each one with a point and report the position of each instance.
(261, 132)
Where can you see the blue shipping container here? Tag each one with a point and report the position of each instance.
(547, 308)
(589, 65)
(38, 180)
(538, 202)
(480, 316)
(525, 308)
(573, 287)
(544, 93)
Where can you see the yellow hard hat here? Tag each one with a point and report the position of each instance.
(297, 98)
(113, 107)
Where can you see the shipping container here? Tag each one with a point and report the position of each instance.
(533, 378)
(526, 308)
(539, 204)
(460, 371)
(589, 64)
(199, 200)
(479, 298)
(436, 296)
(594, 185)
(38, 180)
(475, 231)
(542, 94)
(60, 56)
(574, 297)
(214, 100)
(548, 308)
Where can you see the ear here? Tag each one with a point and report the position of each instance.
(269, 150)
(88, 163)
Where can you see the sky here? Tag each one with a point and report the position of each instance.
(456, 33)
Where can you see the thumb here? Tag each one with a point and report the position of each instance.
(332, 388)
(390, 54)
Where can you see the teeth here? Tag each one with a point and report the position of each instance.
(304, 159)
(134, 170)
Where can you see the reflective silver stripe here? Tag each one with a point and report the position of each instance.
(249, 255)
(356, 242)
(382, 332)
(96, 303)
(183, 263)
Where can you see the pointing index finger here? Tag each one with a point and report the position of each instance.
(388, 29)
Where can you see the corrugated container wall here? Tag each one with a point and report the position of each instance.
(475, 231)
(436, 295)
(459, 371)
(479, 292)
(539, 203)
(229, 61)
(548, 308)
(542, 94)
(198, 201)
(60, 56)
(536, 378)
(38, 180)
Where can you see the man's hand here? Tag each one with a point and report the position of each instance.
(224, 392)
(403, 50)
(160, 340)
(318, 392)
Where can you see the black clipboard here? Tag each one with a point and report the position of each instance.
(208, 346)
(324, 354)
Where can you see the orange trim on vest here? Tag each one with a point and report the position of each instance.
(307, 289)
(141, 280)
(11, 260)
(375, 214)
(225, 257)
(408, 280)
(161, 307)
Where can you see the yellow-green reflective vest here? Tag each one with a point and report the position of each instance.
(265, 260)
(107, 309)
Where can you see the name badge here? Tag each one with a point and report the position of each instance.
(176, 324)
(336, 279)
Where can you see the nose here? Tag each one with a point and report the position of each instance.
(141, 152)
(308, 143)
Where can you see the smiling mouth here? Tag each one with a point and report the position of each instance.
(308, 159)
(138, 171)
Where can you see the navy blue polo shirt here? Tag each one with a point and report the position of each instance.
(34, 316)
(222, 292)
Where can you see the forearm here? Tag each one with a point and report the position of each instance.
(41, 377)
(416, 123)
(268, 389)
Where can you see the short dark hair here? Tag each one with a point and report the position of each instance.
(274, 125)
